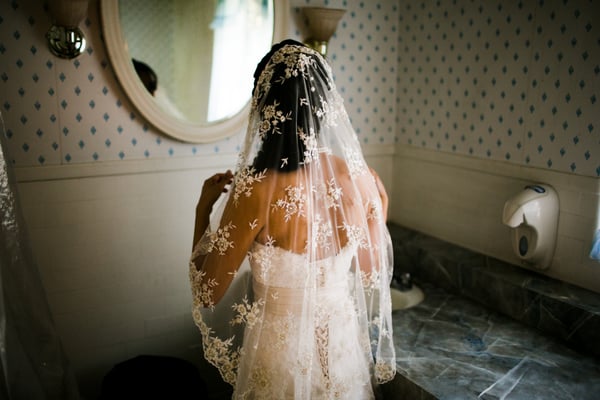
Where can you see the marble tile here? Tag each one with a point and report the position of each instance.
(455, 348)
(566, 312)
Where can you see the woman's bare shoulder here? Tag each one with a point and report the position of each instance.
(269, 183)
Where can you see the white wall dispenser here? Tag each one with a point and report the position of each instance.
(533, 215)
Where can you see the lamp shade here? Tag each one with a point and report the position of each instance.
(322, 22)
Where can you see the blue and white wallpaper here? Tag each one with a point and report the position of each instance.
(509, 81)
(59, 112)
(516, 81)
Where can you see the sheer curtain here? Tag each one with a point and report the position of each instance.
(33, 365)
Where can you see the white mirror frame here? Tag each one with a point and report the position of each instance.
(185, 131)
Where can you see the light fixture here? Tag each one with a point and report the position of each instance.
(321, 24)
(65, 39)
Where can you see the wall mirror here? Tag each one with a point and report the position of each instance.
(203, 54)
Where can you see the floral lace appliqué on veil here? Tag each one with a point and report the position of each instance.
(290, 283)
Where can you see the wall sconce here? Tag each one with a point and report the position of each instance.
(65, 39)
(321, 24)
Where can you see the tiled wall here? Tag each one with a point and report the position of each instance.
(113, 252)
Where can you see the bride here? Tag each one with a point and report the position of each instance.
(290, 269)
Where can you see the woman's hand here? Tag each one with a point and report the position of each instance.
(382, 193)
(213, 188)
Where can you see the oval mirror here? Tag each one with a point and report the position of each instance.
(200, 54)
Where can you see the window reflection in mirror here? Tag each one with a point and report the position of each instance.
(202, 52)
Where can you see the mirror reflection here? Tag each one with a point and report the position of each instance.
(201, 54)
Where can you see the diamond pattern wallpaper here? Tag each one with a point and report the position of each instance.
(59, 112)
(513, 81)
(509, 81)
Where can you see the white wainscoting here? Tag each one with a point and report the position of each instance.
(112, 242)
(460, 199)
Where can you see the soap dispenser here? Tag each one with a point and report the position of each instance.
(533, 215)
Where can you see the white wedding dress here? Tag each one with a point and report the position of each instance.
(283, 352)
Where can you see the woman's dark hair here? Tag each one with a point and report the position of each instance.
(286, 143)
(147, 75)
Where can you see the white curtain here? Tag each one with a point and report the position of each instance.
(33, 365)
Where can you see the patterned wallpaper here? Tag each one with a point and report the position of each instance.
(510, 81)
(140, 19)
(362, 53)
(74, 111)
(515, 81)
(59, 112)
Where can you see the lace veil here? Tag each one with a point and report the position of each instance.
(291, 280)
